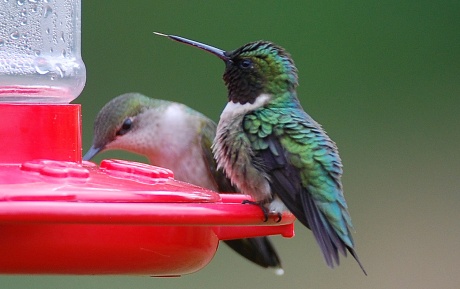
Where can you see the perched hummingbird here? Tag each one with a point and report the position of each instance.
(173, 136)
(273, 150)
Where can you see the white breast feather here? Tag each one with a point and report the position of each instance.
(232, 109)
(231, 116)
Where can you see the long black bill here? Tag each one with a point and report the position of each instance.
(91, 153)
(216, 51)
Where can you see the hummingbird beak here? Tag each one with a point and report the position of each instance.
(91, 153)
(216, 51)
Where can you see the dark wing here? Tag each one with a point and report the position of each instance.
(304, 170)
(286, 184)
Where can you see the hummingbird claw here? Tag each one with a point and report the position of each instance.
(262, 207)
(280, 217)
(244, 202)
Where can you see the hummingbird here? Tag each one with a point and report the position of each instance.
(271, 149)
(174, 136)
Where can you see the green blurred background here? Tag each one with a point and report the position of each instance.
(382, 77)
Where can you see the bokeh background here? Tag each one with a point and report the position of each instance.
(382, 77)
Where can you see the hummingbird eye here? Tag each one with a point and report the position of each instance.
(246, 63)
(126, 126)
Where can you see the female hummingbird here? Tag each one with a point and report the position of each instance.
(174, 136)
(271, 149)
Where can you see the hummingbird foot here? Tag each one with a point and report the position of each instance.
(280, 217)
(260, 205)
(265, 210)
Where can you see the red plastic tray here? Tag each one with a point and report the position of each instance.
(122, 218)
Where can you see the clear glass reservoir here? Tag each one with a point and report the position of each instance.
(40, 51)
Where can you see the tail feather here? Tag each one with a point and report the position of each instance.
(326, 237)
(257, 250)
(355, 255)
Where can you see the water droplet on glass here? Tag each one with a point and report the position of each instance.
(48, 11)
(60, 69)
(38, 41)
(41, 65)
(14, 35)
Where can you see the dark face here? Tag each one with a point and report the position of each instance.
(256, 68)
(243, 79)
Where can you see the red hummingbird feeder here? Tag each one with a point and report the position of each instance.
(59, 215)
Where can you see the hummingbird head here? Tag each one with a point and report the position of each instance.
(118, 118)
(256, 68)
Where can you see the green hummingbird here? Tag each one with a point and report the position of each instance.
(174, 136)
(271, 149)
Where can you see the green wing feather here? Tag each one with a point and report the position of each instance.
(305, 170)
